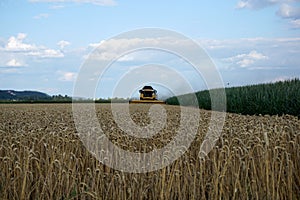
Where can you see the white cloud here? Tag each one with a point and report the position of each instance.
(256, 56)
(17, 45)
(67, 76)
(228, 45)
(295, 23)
(276, 53)
(8, 71)
(95, 2)
(288, 11)
(46, 53)
(242, 4)
(256, 4)
(291, 13)
(14, 63)
(245, 60)
(95, 45)
(41, 16)
(220, 44)
(250, 53)
(56, 7)
(287, 8)
(62, 44)
(110, 49)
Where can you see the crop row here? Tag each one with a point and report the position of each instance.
(42, 157)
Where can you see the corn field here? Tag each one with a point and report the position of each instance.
(273, 98)
(41, 157)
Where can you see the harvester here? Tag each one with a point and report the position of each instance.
(147, 95)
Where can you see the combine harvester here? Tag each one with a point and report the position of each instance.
(147, 95)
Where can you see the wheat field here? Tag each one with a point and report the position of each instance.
(41, 157)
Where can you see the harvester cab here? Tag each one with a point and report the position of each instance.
(147, 95)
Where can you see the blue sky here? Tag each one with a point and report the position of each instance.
(43, 43)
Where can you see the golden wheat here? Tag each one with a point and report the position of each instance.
(41, 157)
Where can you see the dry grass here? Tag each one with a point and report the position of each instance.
(41, 157)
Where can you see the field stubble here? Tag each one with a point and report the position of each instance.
(41, 157)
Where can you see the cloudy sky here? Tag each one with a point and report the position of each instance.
(44, 43)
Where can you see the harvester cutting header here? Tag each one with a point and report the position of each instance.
(147, 95)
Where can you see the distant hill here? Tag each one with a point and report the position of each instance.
(22, 95)
(12, 96)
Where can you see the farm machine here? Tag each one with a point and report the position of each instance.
(147, 95)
